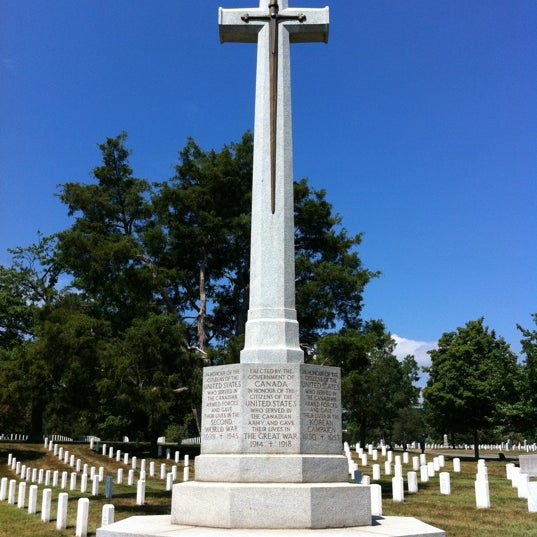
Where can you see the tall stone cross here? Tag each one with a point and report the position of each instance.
(272, 329)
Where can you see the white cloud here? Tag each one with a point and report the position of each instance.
(417, 348)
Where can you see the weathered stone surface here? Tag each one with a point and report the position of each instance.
(272, 468)
(528, 465)
(160, 526)
(271, 408)
(257, 505)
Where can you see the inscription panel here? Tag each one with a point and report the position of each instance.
(221, 408)
(271, 408)
(321, 409)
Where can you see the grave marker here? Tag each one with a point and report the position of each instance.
(61, 517)
(82, 515)
(107, 517)
(45, 505)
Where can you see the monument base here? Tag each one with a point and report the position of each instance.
(271, 505)
(161, 526)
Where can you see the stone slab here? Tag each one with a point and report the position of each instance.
(528, 465)
(271, 505)
(272, 468)
(271, 408)
(161, 526)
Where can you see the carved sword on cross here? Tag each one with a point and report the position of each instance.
(273, 17)
(308, 32)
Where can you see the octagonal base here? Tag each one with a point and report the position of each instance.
(270, 505)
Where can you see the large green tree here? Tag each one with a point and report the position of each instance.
(376, 387)
(528, 408)
(472, 373)
(155, 287)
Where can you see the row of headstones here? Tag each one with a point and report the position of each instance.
(96, 476)
(14, 437)
(503, 446)
(164, 474)
(526, 489)
(16, 495)
(419, 463)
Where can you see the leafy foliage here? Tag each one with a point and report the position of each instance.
(472, 373)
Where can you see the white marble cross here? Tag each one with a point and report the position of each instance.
(272, 329)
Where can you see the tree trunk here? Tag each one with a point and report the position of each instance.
(476, 444)
(202, 313)
(36, 431)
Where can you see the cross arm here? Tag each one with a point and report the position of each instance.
(233, 29)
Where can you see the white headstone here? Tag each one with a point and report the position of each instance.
(523, 480)
(415, 463)
(72, 485)
(32, 500)
(3, 489)
(186, 474)
(445, 483)
(45, 505)
(140, 492)
(107, 514)
(21, 497)
(133, 462)
(83, 483)
(61, 517)
(120, 476)
(152, 468)
(47, 478)
(169, 481)
(95, 485)
(456, 465)
(12, 491)
(163, 471)
(424, 473)
(398, 489)
(482, 494)
(532, 496)
(387, 468)
(64, 480)
(82, 514)
(376, 500)
(376, 472)
(130, 478)
(412, 479)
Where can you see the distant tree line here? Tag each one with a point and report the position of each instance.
(105, 327)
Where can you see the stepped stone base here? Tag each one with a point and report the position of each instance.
(272, 468)
(161, 526)
(271, 505)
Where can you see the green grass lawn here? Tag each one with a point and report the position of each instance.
(456, 513)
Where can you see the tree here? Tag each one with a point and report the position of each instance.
(102, 250)
(375, 386)
(28, 289)
(471, 374)
(330, 278)
(529, 388)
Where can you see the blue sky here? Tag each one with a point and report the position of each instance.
(419, 118)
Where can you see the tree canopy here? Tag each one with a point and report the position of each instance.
(472, 374)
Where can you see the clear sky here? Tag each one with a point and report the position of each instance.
(419, 118)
